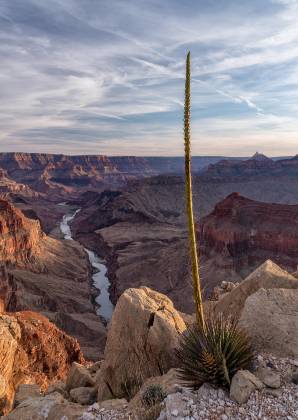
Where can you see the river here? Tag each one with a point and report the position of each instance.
(99, 278)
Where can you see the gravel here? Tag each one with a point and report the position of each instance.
(267, 404)
(209, 403)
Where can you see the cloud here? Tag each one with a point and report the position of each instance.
(107, 77)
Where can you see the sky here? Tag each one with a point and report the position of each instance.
(107, 76)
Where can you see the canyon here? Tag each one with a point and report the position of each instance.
(132, 217)
(48, 275)
(70, 247)
(100, 280)
(141, 231)
(61, 175)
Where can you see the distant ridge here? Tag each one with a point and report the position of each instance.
(257, 165)
(260, 157)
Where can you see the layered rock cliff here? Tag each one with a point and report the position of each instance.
(141, 230)
(9, 187)
(61, 175)
(20, 237)
(47, 275)
(32, 350)
(258, 166)
(241, 233)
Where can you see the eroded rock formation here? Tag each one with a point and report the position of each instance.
(49, 276)
(240, 234)
(20, 237)
(141, 342)
(257, 166)
(32, 349)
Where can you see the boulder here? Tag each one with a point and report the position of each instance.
(243, 384)
(66, 410)
(95, 367)
(50, 407)
(24, 392)
(114, 404)
(83, 395)
(269, 377)
(270, 318)
(268, 276)
(78, 376)
(141, 342)
(58, 386)
(37, 408)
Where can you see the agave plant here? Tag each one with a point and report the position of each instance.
(214, 353)
(215, 347)
(189, 204)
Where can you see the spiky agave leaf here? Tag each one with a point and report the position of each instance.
(213, 354)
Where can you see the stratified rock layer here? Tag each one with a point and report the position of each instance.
(20, 237)
(32, 349)
(240, 234)
(47, 275)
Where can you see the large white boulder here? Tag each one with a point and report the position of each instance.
(141, 342)
(270, 317)
(268, 276)
(78, 376)
(243, 384)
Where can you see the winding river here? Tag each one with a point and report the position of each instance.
(99, 278)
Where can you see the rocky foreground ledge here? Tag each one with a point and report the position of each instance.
(271, 392)
(140, 355)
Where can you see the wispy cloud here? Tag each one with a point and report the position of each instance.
(107, 77)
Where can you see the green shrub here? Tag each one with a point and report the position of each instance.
(129, 388)
(213, 353)
(154, 394)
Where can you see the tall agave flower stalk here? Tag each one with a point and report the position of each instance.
(189, 204)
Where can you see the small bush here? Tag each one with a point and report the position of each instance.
(129, 388)
(213, 354)
(154, 394)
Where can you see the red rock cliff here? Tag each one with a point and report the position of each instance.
(245, 231)
(20, 237)
(33, 350)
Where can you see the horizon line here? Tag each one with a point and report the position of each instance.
(145, 156)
